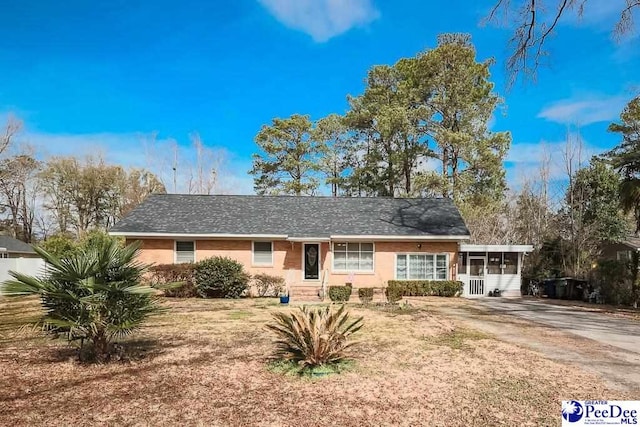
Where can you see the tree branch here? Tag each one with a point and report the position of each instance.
(535, 27)
(625, 24)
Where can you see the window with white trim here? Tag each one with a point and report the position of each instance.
(352, 257)
(624, 255)
(185, 252)
(263, 253)
(422, 267)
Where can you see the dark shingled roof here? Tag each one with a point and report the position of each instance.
(294, 216)
(15, 245)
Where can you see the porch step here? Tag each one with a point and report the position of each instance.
(304, 293)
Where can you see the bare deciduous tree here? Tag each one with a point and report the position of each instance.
(17, 188)
(12, 127)
(535, 22)
(534, 212)
(86, 194)
(18, 169)
(203, 173)
(193, 169)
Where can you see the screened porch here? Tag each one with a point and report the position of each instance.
(485, 269)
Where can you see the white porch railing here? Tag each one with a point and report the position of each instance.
(476, 287)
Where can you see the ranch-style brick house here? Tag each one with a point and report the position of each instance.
(314, 242)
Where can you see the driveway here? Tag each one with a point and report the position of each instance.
(604, 328)
(594, 341)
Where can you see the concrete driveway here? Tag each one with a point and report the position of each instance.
(618, 332)
(594, 341)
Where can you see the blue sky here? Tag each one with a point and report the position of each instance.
(106, 74)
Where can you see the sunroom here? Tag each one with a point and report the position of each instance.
(495, 269)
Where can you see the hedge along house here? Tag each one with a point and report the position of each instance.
(312, 242)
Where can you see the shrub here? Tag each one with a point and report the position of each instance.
(175, 280)
(93, 295)
(393, 293)
(314, 337)
(421, 288)
(220, 277)
(65, 245)
(615, 279)
(339, 293)
(268, 285)
(365, 295)
(448, 288)
(60, 245)
(99, 238)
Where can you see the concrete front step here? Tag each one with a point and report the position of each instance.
(306, 293)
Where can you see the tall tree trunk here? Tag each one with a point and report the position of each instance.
(27, 219)
(454, 176)
(407, 177)
(445, 172)
(334, 184)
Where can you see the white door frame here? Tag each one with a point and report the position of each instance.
(303, 264)
(475, 277)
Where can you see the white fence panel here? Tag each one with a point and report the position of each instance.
(30, 266)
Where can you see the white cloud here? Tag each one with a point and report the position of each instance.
(582, 111)
(322, 19)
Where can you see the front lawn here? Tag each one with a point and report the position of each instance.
(207, 362)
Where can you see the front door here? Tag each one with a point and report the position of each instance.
(476, 276)
(311, 261)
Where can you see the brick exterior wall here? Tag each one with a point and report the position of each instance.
(287, 258)
(156, 251)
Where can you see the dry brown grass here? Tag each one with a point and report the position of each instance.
(205, 363)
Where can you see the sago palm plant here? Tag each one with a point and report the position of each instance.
(95, 295)
(314, 337)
